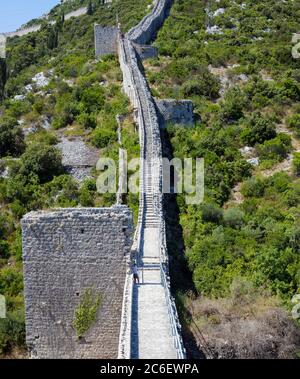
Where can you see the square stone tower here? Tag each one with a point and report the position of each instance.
(106, 38)
(67, 253)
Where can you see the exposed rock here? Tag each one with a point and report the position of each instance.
(19, 97)
(253, 161)
(227, 79)
(247, 151)
(4, 172)
(215, 29)
(219, 12)
(40, 80)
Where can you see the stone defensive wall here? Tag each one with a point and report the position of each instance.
(136, 87)
(35, 28)
(147, 29)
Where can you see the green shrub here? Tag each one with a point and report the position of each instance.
(87, 193)
(232, 105)
(276, 149)
(211, 213)
(234, 217)
(254, 187)
(103, 137)
(85, 313)
(204, 84)
(11, 281)
(11, 138)
(294, 123)
(258, 129)
(88, 121)
(41, 160)
(281, 182)
(12, 332)
(4, 250)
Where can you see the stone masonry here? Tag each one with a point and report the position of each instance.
(147, 29)
(105, 40)
(65, 253)
(176, 111)
(146, 51)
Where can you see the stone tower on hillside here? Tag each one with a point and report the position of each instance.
(70, 254)
(106, 39)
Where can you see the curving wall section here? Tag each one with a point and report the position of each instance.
(146, 30)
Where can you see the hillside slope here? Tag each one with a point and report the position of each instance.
(233, 60)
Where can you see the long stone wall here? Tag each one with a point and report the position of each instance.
(146, 30)
(24, 31)
(136, 87)
(67, 252)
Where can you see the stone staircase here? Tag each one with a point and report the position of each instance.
(151, 330)
(151, 218)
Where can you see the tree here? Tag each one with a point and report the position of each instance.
(41, 160)
(296, 164)
(2, 76)
(90, 8)
(11, 138)
(52, 38)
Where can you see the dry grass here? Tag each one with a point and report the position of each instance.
(16, 353)
(247, 325)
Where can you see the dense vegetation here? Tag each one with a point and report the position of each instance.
(233, 59)
(78, 97)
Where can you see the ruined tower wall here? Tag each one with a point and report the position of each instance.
(105, 40)
(176, 111)
(67, 252)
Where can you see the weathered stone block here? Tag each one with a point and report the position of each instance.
(66, 252)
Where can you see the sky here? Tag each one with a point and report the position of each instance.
(14, 13)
